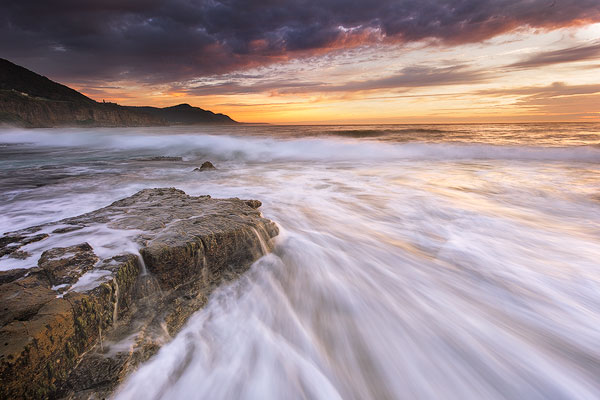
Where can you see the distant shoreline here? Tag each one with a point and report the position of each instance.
(29, 100)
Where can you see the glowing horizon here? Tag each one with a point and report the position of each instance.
(488, 63)
(470, 94)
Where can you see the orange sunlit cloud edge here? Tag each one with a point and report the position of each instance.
(426, 92)
(386, 61)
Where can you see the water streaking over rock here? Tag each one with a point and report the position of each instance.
(172, 251)
(432, 267)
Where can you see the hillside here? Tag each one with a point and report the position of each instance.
(30, 100)
(184, 114)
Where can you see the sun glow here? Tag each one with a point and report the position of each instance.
(531, 76)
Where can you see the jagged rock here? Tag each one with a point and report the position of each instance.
(43, 335)
(253, 203)
(66, 264)
(206, 166)
(11, 243)
(56, 333)
(19, 255)
(12, 274)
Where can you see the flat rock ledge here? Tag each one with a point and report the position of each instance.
(75, 324)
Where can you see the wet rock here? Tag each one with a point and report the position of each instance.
(56, 340)
(10, 243)
(161, 158)
(97, 371)
(253, 203)
(12, 274)
(67, 229)
(37, 352)
(19, 255)
(206, 166)
(66, 264)
(23, 298)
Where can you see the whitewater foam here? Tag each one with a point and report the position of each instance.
(404, 269)
(254, 149)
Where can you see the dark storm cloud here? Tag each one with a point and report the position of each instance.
(580, 53)
(165, 41)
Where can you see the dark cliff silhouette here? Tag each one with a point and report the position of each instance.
(31, 100)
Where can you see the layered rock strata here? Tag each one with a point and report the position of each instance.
(74, 322)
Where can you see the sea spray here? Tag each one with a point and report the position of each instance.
(263, 245)
(116, 306)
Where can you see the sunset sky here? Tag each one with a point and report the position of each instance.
(324, 61)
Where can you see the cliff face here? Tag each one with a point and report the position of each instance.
(34, 101)
(31, 100)
(22, 109)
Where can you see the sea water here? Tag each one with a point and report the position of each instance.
(414, 262)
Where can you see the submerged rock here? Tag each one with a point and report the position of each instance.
(63, 321)
(12, 243)
(19, 255)
(206, 166)
(161, 158)
(67, 229)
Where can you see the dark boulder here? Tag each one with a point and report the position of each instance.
(206, 166)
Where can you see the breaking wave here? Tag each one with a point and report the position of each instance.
(235, 147)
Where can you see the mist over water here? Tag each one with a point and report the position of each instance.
(446, 262)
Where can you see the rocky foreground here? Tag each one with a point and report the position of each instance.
(76, 322)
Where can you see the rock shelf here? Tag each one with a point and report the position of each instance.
(65, 316)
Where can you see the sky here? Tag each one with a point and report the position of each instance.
(321, 61)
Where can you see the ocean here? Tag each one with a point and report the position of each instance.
(414, 261)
